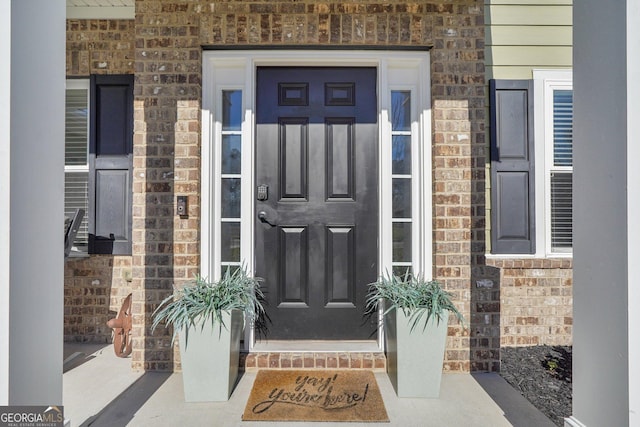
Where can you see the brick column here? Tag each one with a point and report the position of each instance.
(166, 164)
(169, 36)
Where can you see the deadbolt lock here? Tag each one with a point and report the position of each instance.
(263, 192)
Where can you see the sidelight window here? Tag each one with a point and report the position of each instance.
(230, 181)
(401, 181)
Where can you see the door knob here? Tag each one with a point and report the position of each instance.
(262, 216)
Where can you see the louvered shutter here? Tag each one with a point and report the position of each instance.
(111, 163)
(512, 167)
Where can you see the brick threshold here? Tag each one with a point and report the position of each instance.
(253, 361)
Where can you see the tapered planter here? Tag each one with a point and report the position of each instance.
(210, 357)
(415, 358)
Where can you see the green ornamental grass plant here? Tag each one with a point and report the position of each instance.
(200, 301)
(419, 299)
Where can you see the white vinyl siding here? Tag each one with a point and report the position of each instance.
(521, 35)
(76, 149)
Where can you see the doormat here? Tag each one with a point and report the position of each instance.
(315, 395)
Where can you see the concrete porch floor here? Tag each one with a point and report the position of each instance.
(102, 390)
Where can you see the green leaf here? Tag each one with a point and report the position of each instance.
(200, 301)
(420, 300)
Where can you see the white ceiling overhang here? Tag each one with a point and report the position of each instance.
(100, 9)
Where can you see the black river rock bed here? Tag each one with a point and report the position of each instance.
(542, 374)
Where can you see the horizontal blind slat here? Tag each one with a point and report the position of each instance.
(76, 185)
(76, 126)
(563, 127)
(561, 210)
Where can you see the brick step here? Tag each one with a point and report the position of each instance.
(253, 361)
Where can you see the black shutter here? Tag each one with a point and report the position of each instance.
(512, 162)
(110, 164)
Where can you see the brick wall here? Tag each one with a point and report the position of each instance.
(96, 286)
(168, 39)
(506, 302)
(99, 46)
(536, 296)
(94, 289)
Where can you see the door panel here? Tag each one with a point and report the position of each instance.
(294, 256)
(340, 257)
(294, 139)
(317, 232)
(339, 134)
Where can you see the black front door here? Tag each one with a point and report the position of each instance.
(317, 199)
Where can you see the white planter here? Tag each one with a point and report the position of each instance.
(415, 358)
(210, 357)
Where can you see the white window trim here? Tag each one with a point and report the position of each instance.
(544, 83)
(237, 70)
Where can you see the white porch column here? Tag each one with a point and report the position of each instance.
(32, 73)
(606, 361)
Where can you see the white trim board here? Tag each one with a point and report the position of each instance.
(101, 12)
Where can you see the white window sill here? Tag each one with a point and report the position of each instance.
(78, 254)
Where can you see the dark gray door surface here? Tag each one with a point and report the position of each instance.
(317, 199)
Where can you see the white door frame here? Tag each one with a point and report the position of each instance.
(236, 70)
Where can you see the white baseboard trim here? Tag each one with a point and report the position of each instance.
(573, 422)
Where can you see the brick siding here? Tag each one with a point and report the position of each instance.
(169, 36)
(94, 289)
(163, 47)
(99, 46)
(536, 296)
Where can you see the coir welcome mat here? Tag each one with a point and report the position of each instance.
(315, 395)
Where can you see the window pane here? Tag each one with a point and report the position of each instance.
(401, 232)
(401, 204)
(76, 120)
(400, 110)
(230, 198)
(401, 154)
(76, 186)
(401, 271)
(561, 211)
(563, 127)
(231, 109)
(231, 268)
(231, 150)
(230, 241)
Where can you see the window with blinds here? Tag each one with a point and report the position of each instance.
(76, 164)
(561, 172)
